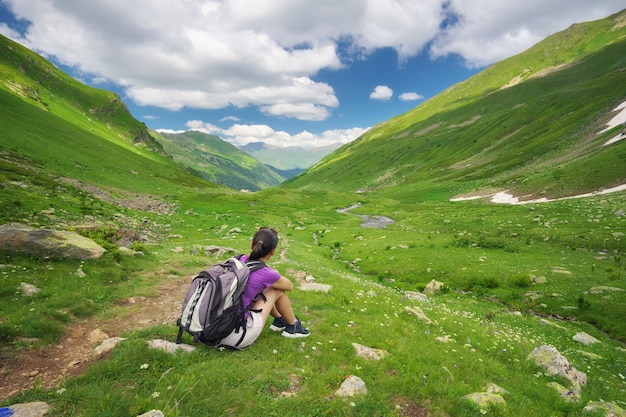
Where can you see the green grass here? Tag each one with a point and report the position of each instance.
(485, 254)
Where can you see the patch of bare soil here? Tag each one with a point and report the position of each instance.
(47, 367)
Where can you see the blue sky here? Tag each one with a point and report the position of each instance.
(285, 72)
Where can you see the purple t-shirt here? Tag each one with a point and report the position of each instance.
(259, 280)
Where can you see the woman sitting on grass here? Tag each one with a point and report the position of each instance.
(267, 292)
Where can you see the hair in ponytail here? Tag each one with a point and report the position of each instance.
(264, 241)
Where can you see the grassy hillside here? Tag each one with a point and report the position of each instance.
(218, 161)
(529, 124)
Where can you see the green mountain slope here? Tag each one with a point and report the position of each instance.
(72, 130)
(55, 125)
(529, 124)
(219, 161)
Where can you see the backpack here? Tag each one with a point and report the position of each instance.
(213, 306)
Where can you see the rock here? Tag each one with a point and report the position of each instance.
(153, 413)
(545, 322)
(169, 347)
(417, 296)
(369, 353)
(432, 287)
(590, 355)
(419, 314)
(445, 339)
(32, 409)
(314, 286)
(21, 238)
(28, 290)
(609, 409)
(565, 393)
(218, 251)
(601, 289)
(107, 346)
(554, 363)
(486, 400)
(352, 386)
(585, 339)
(539, 280)
(491, 387)
(80, 273)
(97, 336)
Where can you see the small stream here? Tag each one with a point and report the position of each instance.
(375, 222)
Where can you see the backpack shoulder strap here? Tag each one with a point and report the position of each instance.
(255, 265)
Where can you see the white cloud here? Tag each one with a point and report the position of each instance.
(381, 92)
(487, 31)
(242, 134)
(212, 54)
(410, 96)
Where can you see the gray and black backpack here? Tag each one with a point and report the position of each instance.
(213, 306)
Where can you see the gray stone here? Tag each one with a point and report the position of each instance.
(107, 346)
(169, 347)
(432, 287)
(153, 413)
(609, 409)
(554, 363)
(486, 400)
(565, 393)
(33, 409)
(28, 290)
(314, 286)
(20, 238)
(585, 339)
(352, 386)
(417, 312)
(417, 296)
(369, 353)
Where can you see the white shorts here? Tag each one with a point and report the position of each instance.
(253, 329)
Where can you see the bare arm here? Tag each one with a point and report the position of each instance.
(283, 284)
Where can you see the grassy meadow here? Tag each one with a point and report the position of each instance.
(487, 255)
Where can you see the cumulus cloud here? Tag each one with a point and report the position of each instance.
(410, 96)
(215, 54)
(381, 92)
(486, 31)
(242, 134)
(267, 54)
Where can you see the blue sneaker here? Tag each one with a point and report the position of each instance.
(295, 330)
(279, 324)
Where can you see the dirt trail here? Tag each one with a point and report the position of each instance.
(71, 357)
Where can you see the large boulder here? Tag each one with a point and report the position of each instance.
(20, 238)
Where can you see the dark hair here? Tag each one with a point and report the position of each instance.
(264, 241)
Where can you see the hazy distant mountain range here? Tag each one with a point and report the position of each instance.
(289, 158)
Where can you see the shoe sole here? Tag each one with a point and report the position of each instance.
(276, 328)
(295, 335)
